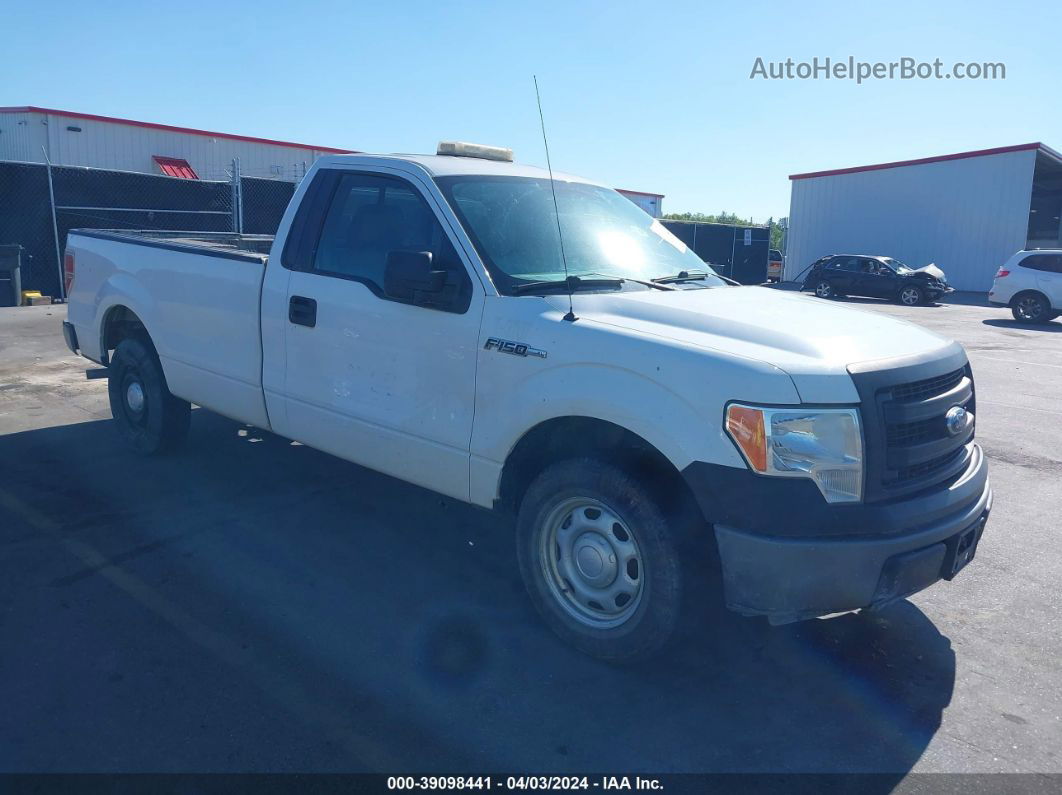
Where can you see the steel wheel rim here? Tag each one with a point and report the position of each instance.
(823, 290)
(134, 399)
(1029, 308)
(592, 562)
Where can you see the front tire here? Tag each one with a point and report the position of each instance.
(1031, 308)
(599, 560)
(149, 418)
(911, 296)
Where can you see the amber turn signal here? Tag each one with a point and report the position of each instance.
(745, 426)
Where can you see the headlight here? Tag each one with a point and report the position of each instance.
(825, 445)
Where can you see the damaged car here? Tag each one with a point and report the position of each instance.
(839, 275)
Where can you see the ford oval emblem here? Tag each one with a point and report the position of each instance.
(957, 420)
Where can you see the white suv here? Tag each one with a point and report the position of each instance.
(1031, 285)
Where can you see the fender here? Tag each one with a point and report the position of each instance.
(121, 289)
(682, 431)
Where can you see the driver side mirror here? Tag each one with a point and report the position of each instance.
(408, 276)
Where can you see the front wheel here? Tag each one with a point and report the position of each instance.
(599, 560)
(911, 296)
(149, 418)
(1031, 308)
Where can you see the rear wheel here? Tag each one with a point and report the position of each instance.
(1031, 308)
(599, 560)
(911, 296)
(149, 418)
(823, 289)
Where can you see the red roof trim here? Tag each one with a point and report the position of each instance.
(171, 128)
(923, 160)
(640, 193)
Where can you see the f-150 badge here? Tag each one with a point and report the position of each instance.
(514, 348)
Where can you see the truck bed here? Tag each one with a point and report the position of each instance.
(255, 247)
(195, 293)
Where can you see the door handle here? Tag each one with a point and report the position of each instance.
(302, 311)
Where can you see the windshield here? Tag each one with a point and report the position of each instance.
(512, 223)
(896, 265)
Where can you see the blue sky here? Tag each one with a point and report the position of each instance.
(653, 97)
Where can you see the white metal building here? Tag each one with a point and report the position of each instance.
(966, 212)
(652, 203)
(84, 139)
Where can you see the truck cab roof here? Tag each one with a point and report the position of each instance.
(453, 165)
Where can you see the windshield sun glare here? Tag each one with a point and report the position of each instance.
(512, 221)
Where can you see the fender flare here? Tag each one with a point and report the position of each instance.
(122, 290)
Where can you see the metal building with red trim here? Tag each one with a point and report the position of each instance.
(85, 139)
(967, 212)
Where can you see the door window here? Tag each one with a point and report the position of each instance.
(371, 216)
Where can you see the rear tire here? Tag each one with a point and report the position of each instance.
(823, 289)
(600, 560)
(149, 418)
(1031, 308)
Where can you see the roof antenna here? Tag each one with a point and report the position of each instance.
(570, 317)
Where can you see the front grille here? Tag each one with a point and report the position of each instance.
(927, 468)
(918, 390)
(905, 433)
(908, 445)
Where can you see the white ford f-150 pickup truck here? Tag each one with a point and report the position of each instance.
(452, 322)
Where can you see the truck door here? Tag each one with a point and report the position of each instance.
(384, 381)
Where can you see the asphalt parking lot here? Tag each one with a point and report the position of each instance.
(250, 604)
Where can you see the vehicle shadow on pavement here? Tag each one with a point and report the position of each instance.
(1016, 326)
(856, 299)
(252, 604)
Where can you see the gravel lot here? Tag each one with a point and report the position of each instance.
(251, 604)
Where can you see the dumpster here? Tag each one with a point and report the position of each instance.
(10, 275)
(738, 252)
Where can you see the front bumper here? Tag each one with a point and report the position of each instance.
(937, 291)
(790, 571)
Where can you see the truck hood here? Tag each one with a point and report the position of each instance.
(812, 340)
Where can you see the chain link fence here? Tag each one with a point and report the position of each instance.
(262, 204)
(89, 198)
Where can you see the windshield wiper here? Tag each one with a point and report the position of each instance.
(694, 276)
(572, 283)
(682, 276)
(656, 285)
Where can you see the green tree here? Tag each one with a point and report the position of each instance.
(719, 218)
